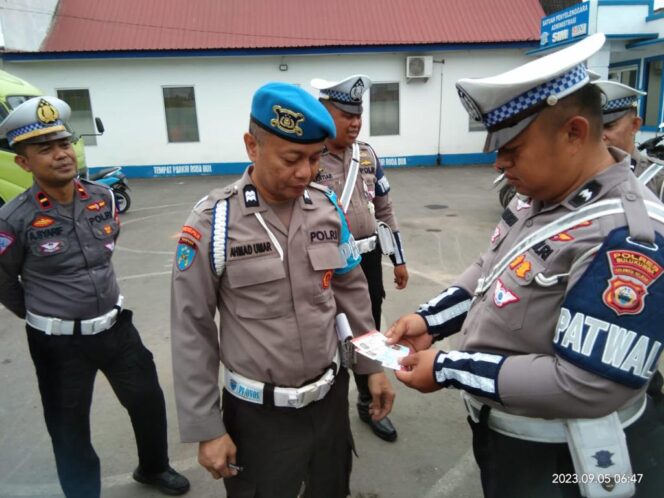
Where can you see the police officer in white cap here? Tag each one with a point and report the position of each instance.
(352, 169)
(559, 321)
(621, 124)
(56, 243)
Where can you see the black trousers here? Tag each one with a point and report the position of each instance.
(373, 271)
(66, 368)
(280, 448)
(515, 468)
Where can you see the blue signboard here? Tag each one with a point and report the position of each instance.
(565, 25)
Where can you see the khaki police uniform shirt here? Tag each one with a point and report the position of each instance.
(61, 253)
(368, 189)
(641, 163)
(517, 316)
(276, 318)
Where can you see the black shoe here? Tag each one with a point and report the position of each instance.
(168, 482)
(382, 428)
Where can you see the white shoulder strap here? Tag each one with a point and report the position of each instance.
(354, 167)
(219, 236)
(586, 213)
(650, 173)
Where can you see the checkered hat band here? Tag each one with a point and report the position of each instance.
(619, 104)
(536, 96)
(341, 97)
(33, 129)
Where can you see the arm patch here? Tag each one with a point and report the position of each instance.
(610, 322)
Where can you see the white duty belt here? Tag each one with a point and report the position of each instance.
(367, 244)
(253, 391)
(538, 429)
(92, 326)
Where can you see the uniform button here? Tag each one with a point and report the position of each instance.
(227, 190)
(529, 223)
(630, 196)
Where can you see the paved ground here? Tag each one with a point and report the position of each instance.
(446, 214)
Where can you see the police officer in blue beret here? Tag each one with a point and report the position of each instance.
(56, 243)
(274, 255)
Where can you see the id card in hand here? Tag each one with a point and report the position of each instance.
(374, 345)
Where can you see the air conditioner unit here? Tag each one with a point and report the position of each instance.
(420, 66)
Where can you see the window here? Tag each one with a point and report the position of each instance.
(657, 5)
(81, 119)
(625, 75)
(180, 106)
(384, 109)
(654, 97)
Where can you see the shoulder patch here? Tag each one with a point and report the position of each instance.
(6, 241)
(186, 252)
(610, 321)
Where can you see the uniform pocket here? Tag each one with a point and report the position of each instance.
(324, 258)
(259, 288)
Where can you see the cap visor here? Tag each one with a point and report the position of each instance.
(495, 140)
(349, 108)
(613, 116)
(47, 137)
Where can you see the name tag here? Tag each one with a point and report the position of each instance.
(250, 249)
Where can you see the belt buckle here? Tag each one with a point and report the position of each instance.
(53, 326)
(303, 396)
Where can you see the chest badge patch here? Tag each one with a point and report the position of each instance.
(502, 296)
(185, 254)
(50, 247)
(327, 278)
(521, 266)
(633, 273)
(42, 222)
(6, 241)
(95, 206)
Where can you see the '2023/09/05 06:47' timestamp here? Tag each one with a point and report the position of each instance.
(606, 478)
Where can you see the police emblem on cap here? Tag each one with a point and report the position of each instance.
(46, 112)
(287, 121)
(357, 90)
(603, 458)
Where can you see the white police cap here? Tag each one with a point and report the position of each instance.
(507, 103)
(39, 119)
(345, 94)
(619, 99)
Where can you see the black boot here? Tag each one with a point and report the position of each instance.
(382, 428)
(168, 482)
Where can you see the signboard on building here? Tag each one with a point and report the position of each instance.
(565, 25)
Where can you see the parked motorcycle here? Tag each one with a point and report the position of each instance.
(116, 180)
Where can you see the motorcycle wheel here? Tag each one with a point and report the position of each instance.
(122, 200)
(506, 194)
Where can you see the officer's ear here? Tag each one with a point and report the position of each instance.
(577, 131)
(636, 124)
(22, 161)
(251, 144)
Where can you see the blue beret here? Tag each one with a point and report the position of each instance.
(291, 113)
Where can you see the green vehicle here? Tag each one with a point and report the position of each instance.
(13, 180)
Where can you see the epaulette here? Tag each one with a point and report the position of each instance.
(10, 208)
(320, 187)
(208, 202)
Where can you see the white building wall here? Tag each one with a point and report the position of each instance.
(25, 23)
(127, 95)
